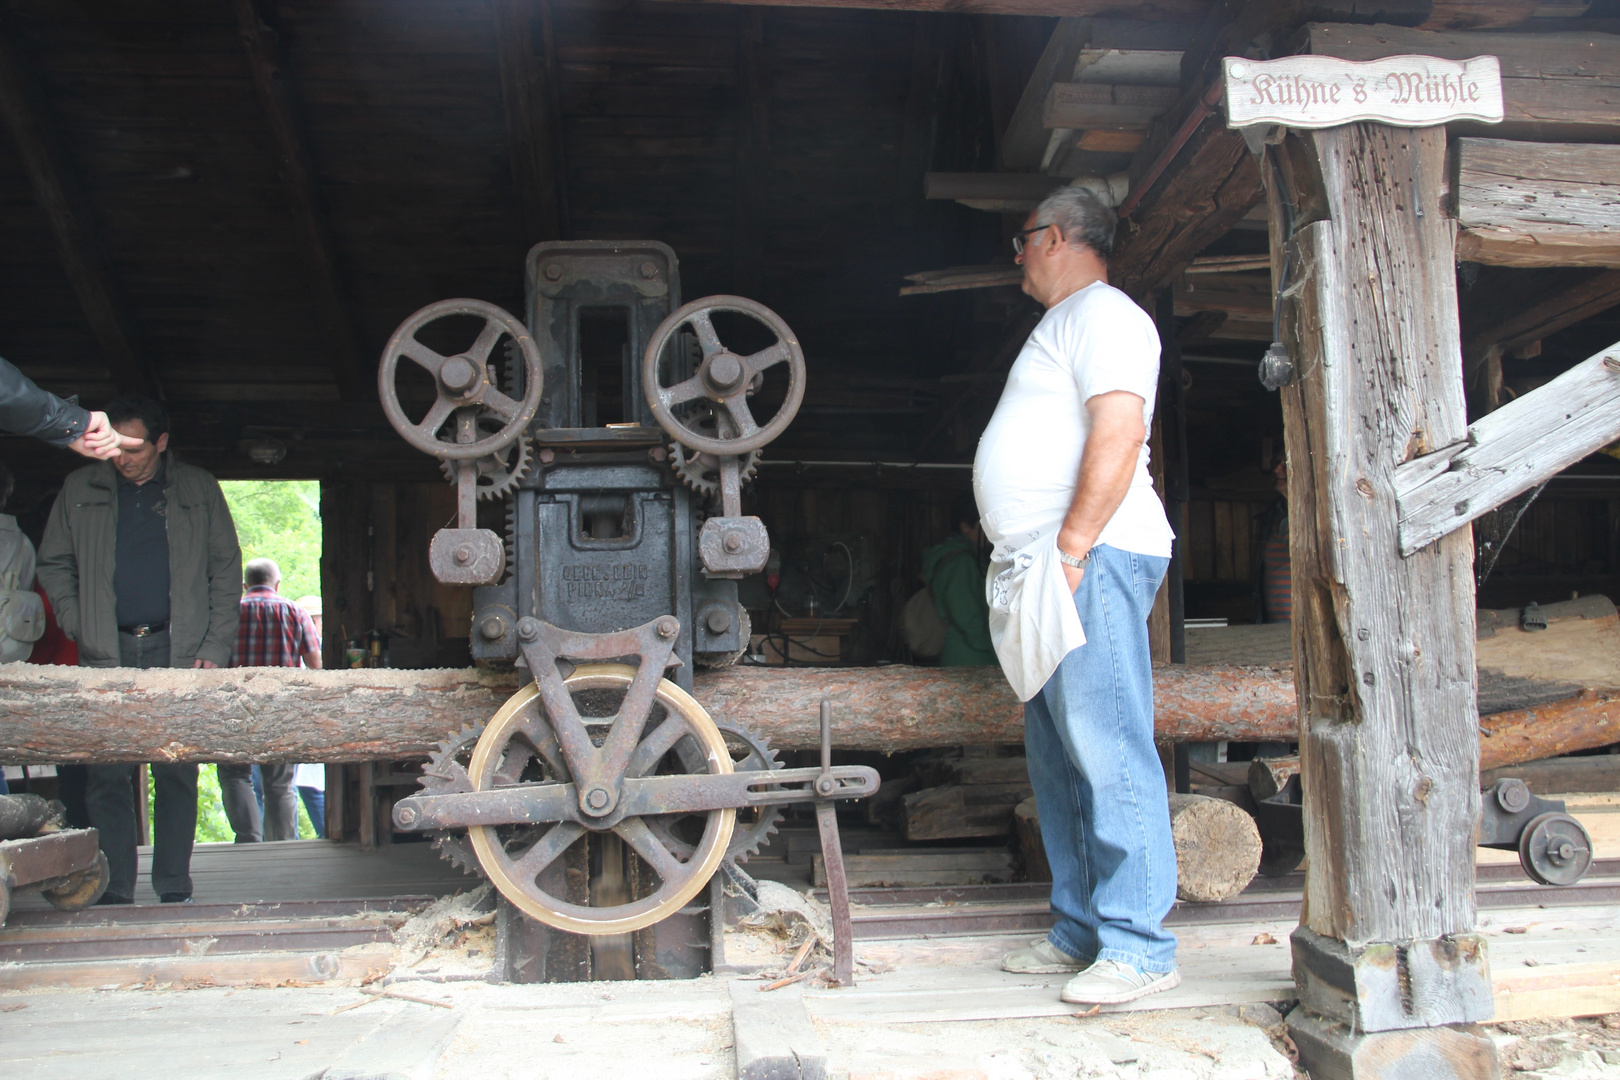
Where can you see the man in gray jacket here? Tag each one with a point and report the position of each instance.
(141, 563)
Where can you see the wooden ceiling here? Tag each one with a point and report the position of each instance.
(254, 194)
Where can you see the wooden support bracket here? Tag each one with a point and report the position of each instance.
(1390, 986)
(1510, 451)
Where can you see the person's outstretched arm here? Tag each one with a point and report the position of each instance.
(25, 409)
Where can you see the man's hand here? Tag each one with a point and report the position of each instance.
(100, 442)
(1072, 575)
(200, 662)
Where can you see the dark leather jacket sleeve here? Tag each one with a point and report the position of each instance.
(25, 409)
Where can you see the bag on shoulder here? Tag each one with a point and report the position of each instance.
(22, 612)
(921, 626)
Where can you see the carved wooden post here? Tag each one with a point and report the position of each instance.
(1392, 976)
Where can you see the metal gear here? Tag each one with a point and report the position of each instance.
(446, 774)
(500, 472)
(701, 472)
(750, 752)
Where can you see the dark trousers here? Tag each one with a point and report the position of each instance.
(315, 805)
(110, 793)
(280, 814)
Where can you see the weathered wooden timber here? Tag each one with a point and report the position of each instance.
(1509, 451)
(1553, 85)
(1389, 741)
(292, 714)
(1537, 204)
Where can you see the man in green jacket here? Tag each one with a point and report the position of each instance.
(955, 577)
(140, 561)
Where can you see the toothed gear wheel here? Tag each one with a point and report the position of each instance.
(446, 774)
(500, 472)
(701, 472)
(750, 752)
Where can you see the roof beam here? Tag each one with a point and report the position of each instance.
(753, 153)
(1559, 307)
(1131, 9)
(72, 223)
(273, 86)
(533, 118)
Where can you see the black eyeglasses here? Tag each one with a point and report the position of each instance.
(1018, 237)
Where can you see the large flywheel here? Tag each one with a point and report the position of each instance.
(520, 742)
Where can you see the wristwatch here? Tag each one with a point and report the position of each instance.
(1069, 560)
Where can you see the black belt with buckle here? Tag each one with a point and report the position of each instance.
(145, 629)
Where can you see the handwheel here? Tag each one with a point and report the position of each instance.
(723, 377)
(81, 890)
(519, 747)
(463, 381)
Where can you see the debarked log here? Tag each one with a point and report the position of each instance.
(62, 714)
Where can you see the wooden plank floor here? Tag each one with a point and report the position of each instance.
(302, 870)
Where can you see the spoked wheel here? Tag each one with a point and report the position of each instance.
(520, 748)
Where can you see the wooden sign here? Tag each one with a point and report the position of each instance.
(1323, 91)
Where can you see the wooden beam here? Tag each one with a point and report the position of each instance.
(753, 153)
(1537, 204)
(1085, 105)
(1389, 739)
(1209, 186)
(1556, 308)
(533, 119)
(1553, 85)
(1511, 450)
(272, 83)
(1023, 146)
(1131, 9)
(72, 221)
(999, 192)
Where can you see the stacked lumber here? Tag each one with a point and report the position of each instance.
(963, 797)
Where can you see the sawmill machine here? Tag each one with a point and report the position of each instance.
(618, 425)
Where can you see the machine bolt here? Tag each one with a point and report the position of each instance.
(404, 816)
(598, 800)
(826, 786)
(649, 270)
(464, 555)
(718, 620)
(528, 629)
(657, 455)
(547, 456)
(459, 374)
(733, 543)
(668, 627)
(1562, 852)
(492, 627)
(1513, 796)
(725, 371)
(553, 272)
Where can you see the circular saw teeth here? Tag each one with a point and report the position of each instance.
(747, 840)
(496, 477)
(443, 774)
(695, 469)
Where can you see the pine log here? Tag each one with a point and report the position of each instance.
(1267, 776)
(62, 714)
(1217, 848)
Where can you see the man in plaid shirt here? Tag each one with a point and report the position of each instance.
(273, 632)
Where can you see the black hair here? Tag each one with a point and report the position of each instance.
(149, 412)
(964, 510)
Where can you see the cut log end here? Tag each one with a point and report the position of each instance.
(1217, 848)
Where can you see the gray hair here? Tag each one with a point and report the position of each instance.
(261, 572)
(1083, 218)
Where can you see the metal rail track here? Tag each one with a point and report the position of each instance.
(966, 910)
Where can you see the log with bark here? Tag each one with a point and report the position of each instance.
(62, 714)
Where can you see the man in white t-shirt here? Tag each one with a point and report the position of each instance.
(1081, 545)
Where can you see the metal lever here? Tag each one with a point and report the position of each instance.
(832, 858)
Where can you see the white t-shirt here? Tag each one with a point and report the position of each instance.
(1028, 462)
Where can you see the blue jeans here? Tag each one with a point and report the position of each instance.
(1099, 787)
